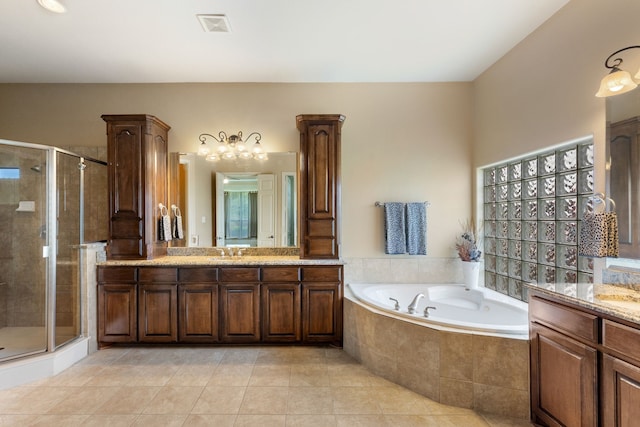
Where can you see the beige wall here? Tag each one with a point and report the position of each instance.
(542, 92)
(401, 142)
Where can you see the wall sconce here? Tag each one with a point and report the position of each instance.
(231, 147)
(617, 81)
(52, 6)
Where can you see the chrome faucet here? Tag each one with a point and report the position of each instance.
(230, 252)
(239, 252)
(414, 304)
(221, 252)
(396, 306)
(426, 310)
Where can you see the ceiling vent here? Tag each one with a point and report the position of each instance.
(214, 23)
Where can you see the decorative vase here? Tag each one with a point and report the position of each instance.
(470, 272)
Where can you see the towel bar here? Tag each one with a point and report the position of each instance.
(380, 204)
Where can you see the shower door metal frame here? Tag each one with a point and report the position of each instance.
(50, 245)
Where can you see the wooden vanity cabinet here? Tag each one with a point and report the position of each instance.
(319, 185)
(240, 304)
(322, 304)
(281, 304)
(157, 304)
(224, 304)
(117, 305)
(137, 175)
(198, 304)
(564, 376)
(620, 375)
(585, 366)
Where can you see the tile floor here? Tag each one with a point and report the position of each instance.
(216, 386)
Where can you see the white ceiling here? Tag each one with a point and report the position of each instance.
(138, 41)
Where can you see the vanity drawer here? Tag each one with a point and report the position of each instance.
(559, 317)
(240, 274)
(157, 274)
(117, 274)
(621, 338)
(280, 274)
(199, 274)
(322, 274)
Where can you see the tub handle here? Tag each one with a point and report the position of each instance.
(426, 310)
(397, 306)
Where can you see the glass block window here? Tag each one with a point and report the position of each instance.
(532, 208)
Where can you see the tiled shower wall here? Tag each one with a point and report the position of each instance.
(532, 210)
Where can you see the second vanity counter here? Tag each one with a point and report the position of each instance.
(619, 301)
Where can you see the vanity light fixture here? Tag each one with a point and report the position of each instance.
(52, 6)
(617, 81)
(231, 147)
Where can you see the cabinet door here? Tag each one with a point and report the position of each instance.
(240, 312)
(319, 184)
(125, 191)
(157, 317)
(322, 312)
(281, 312)
(563, 379)
(117, 305)
(620, 393)
(198, 314)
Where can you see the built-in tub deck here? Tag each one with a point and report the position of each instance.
(481, 365)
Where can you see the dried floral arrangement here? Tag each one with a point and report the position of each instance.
(467, 242)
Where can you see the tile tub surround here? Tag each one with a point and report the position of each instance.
(240, 386)
(487, 374)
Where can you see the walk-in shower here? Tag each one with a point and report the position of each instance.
(51, 202)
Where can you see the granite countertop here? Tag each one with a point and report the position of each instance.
(621, 301)
(176, 261)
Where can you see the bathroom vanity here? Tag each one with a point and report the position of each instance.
(200, 299)
(585, 357)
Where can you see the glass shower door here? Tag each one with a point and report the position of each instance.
(67, 290)
(23, 240)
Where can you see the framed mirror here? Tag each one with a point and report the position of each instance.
(623, 168)
(239, 203)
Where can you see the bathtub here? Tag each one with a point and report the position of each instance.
(479, 310)
(472, 351)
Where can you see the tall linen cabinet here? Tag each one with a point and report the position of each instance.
(137, 174)
(319, 185)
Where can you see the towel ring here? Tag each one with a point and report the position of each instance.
(600, 199)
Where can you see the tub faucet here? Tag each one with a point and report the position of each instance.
(414, 304)
(426, 310)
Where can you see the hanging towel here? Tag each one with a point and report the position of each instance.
(164, 225)
(612, 236)
(599, 235)
(177, 232)
(394, 228)
(416, 214)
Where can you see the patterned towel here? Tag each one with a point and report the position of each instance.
(164, 225)
(177, 231)
(394, 228)
(416, 214)
(599, 235)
